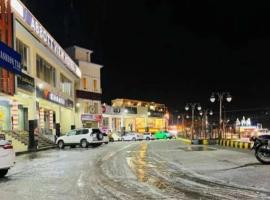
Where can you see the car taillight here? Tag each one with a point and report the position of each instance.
(8, 146)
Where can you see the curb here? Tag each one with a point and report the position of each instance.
(199, 141)
(235, 144)
(26, 152)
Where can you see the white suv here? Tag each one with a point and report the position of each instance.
(84, 137)
(7, 157)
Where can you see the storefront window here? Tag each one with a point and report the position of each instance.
(66, 85)
(95, 85)
(106, 121)
(45, 71)
(84, 83)
(23, 50)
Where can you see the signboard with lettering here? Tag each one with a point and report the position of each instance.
(10, 59)
(50, 96)
(26, 82)
(91, 117)
(44, 36)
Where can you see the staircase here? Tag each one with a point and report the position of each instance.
(23, 137)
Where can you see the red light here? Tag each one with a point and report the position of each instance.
(8, 146)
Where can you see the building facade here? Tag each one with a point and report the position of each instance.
(88, 90)
(134, 115)
(45, 88)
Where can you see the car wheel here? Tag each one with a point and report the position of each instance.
(3, 172)
(61, 144)
(111, 140)
(106, 142)
(134, 139)
(84, 143)
(100, 136)
(147, 138)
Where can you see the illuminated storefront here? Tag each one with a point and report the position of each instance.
(133, 115)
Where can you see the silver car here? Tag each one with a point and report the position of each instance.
(148, 136)
(132, 136)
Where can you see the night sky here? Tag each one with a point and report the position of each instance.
(169, 51)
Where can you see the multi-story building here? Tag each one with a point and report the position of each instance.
(134, 115)
(45, 87)
(88, 90)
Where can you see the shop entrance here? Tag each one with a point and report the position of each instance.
(49, 121)
(23, 118)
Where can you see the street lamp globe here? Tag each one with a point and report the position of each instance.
(186, 108)
(201, 113)
(148, 113)
(229, 98)
(187, 116)
(178, 116)
(199, 107)
(211, 112)
(212, 98)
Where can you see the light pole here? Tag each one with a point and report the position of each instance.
(220, 96)
(193, 106)
(204, 114)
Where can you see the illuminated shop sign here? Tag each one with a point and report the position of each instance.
(10, 59)
(50, 96)
(44, 36)
(55, 98)
(91, 117)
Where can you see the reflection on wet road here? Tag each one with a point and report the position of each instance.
(134, 170)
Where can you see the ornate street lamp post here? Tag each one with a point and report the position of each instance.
(193, 106)
(204, 114)
(220, 96)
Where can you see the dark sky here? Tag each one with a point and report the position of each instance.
(169, 51)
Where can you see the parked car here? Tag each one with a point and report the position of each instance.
(163, 135)
(83, 137)
(132, 136)
(7, 157)
(114, 137)
(148, 136)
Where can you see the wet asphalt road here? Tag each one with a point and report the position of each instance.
(137, 170)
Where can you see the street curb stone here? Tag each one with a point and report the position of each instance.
(26, 152)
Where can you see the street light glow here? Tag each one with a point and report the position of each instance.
(186, 108)
(212, 98)
(229, 98)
